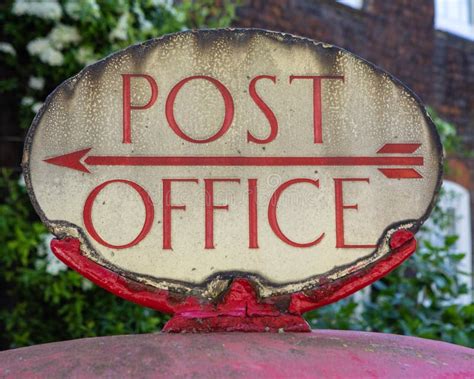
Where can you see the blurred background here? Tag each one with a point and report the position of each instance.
(428, 44)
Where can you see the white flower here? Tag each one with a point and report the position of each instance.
(86, 284)
(36, 107)
(85, 55)
(178, 14)
(120, 31)
(91, 7)
(36, 46)
(7, 48)
(21, 181)
(36, 83)
(53, 265)
(73, 9)
(63, 35)
(41, 47)
(52, 57)
(166, 3)
(145, 25)
(45, 9)
(27, 101)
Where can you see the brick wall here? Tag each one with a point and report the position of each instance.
(399, 36)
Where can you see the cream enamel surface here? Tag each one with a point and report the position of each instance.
(360, 115)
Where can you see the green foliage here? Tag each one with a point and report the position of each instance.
(421, 297)
(447, 131)
(48, 41)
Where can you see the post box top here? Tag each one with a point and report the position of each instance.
(186, 162)
(322, 353)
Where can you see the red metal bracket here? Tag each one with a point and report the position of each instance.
(239, 309)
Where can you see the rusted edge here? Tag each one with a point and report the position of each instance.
(213, 285)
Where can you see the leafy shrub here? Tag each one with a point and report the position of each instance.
(43, 43)
(41, 300)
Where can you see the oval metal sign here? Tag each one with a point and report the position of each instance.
(185, 162)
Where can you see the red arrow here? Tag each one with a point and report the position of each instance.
(252, 161)
(73, 160)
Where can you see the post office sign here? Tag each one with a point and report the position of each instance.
(189, 161)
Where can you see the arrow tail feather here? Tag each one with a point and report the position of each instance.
(400, 173)
(399, 148)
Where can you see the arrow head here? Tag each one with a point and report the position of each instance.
(70, 160)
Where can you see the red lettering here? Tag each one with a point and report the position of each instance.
(149, 213)
(317, 105)
(127, 102)
(272, 216)
(168, 207)
(265, 109)
(210, 207)
(228, 103)
(253, 225)
(340, 206)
